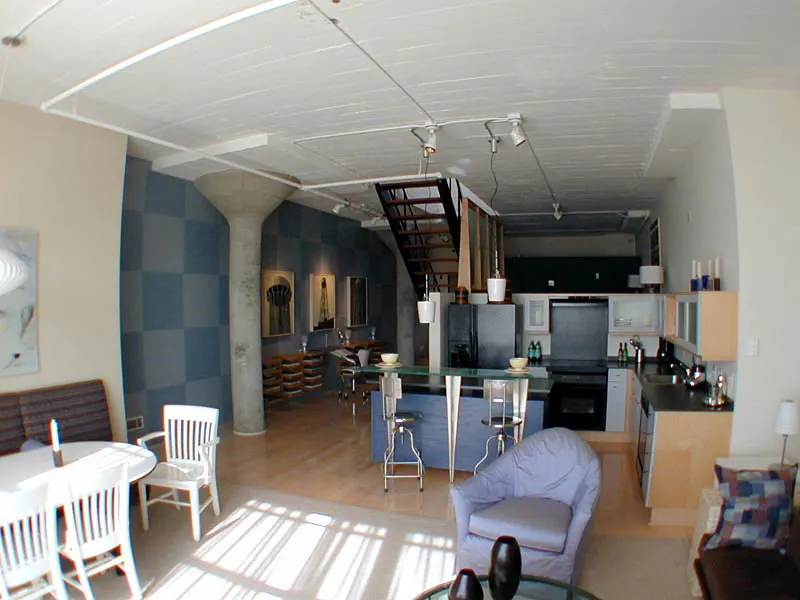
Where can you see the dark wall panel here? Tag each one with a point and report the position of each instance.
(571, 274)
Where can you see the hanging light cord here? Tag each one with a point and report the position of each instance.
(491, 205)
(541, 170)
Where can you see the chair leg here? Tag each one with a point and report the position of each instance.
(175, 497)
(130, 570)
(83, 579)
(212, 486)
(485, 456)
(56, 580)
(194, 501)
(143, 505)
(420, 466)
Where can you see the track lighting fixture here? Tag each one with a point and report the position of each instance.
(557, 212)
(493, 139)
(338, 208)
(517, 135)
(430, 145)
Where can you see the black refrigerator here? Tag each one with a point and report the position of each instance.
(482, 336)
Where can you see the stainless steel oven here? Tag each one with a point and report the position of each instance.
(578, 401)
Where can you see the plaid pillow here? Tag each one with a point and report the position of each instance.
(756, 508)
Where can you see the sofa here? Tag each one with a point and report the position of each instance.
(81, 409)
(735, 573)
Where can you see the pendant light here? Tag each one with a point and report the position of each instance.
(426, 308)
(496, 286)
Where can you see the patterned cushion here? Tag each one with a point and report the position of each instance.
(756, 508)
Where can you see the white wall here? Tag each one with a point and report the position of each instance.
(764, 129)
(697, 213)
(64, 180)
(613, 244)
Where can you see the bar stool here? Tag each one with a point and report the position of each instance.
(501, 417)
(397, 424)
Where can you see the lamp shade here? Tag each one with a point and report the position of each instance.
(651, 275)
(426, 309)
(788, 420)
(13, 272)
(496, 286)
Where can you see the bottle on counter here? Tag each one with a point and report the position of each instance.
(625, 352)
(537, 352)
(531, 352)
(620, 355)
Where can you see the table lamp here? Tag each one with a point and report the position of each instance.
(651, 276)
(787, 423)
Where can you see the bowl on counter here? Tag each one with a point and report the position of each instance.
(518, 363)
(389, 358)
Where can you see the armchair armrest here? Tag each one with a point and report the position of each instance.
(205, 455)
(142, 441)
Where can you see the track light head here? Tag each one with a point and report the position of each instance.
(517, 135)
(430, 145)
(338, 208)
(493, 140)
(557, 212)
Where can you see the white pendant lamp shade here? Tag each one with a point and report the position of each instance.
(426, 309)
(496, 288)
(788, 420)
(13, 272)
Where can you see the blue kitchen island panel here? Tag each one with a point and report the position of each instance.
(430, 433)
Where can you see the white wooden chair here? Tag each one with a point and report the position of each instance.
(97, 524)
(29, 562)
(190, 440)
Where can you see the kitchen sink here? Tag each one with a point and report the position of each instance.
(662, 379)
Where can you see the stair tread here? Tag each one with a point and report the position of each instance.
(433, 259)
(410, 184)
(435, 200)
(418, 217)
(436, 273)
(424, 232)
(435, 245)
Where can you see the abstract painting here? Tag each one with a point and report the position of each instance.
(356, 301)
(19, 329)
(277, 303)
(323, 302)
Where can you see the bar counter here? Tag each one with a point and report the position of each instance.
(420, 391)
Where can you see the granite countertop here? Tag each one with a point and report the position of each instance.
(675, 397)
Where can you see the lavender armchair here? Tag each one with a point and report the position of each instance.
(543, 492)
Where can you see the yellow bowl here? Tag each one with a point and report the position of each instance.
(518, 363)
(389, 359)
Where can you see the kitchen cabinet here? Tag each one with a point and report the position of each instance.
(536, 312)
(685, 446)
(704, 323)
(617, 399)
(634, 313)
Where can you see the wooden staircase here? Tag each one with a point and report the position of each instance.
(425, 223)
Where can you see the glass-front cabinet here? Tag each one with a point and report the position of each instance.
(634, 313)
(536, 311)
(704, 323)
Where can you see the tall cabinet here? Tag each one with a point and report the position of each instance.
(704, 323)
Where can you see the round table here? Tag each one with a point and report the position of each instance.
(530, 588)
(32, 468)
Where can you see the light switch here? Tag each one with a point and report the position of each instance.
(551, 283)
(752, 347)
(597, 275)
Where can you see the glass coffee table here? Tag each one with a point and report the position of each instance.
(530, 588)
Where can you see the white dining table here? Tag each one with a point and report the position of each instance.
(25, 470)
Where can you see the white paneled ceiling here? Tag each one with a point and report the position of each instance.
(589, 79)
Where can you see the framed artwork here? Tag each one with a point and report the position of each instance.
(19, 312)
(356, 301)
(277, 303)
(322, 302)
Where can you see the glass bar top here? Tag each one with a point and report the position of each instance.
(497, 374)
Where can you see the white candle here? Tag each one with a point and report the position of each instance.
(710, 272)
(716, 267)
(694, 269)
(699, 269)
(54, 435)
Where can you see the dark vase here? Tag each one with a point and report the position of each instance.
(465, 586)
(505, 568)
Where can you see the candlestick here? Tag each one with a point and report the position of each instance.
(716, 268)
(54, 439)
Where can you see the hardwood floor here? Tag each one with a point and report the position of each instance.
(316, 448)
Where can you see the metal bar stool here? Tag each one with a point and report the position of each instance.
(501, 417)
(397, 424)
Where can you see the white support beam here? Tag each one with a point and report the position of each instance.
(219, 149)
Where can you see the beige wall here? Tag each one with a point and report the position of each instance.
(764, 129)
(697, 213)
(612, 244)
(64, 180)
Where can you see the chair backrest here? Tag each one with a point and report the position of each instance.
(28, 539)
(187, 427)
(98, 513)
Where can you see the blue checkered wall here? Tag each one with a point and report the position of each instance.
(174, 297)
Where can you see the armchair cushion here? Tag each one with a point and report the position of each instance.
(537, 523)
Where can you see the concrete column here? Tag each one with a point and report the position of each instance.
(245, 200)
(406, 303)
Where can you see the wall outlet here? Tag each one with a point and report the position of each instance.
(753, 347)
(135, 423)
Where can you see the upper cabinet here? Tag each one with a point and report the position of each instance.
(536, 311)
(704, 323)
(634, 313)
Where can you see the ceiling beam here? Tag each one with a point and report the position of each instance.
(235, 145)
